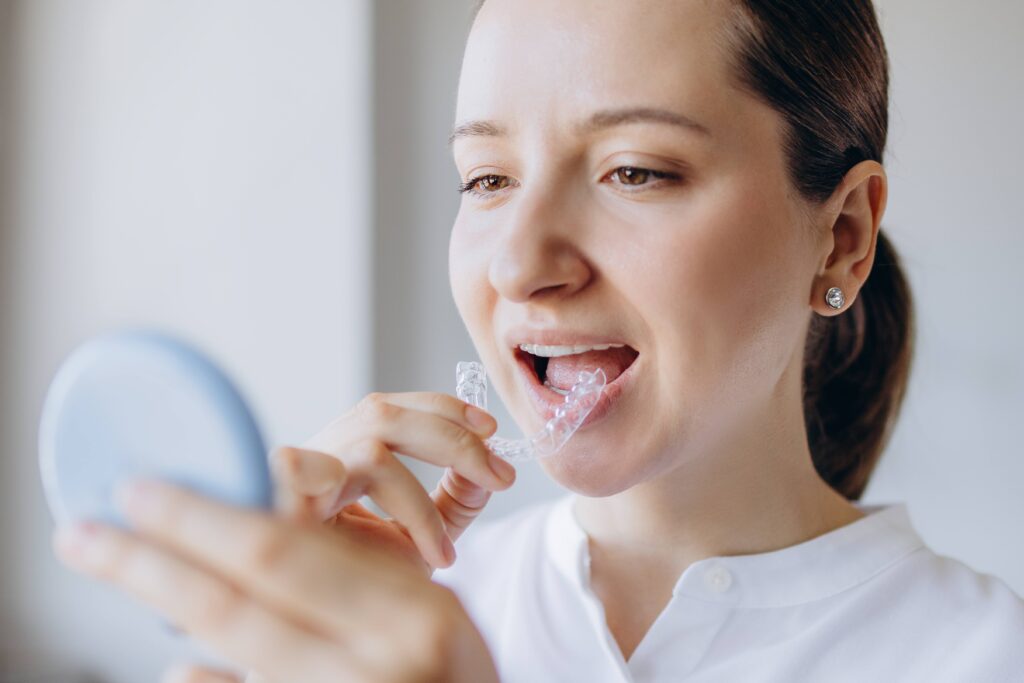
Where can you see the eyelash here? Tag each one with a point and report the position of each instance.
(468, 186)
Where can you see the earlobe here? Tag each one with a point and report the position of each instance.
(855, 210)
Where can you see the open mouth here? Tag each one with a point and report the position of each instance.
(558, 370)
(550, 371)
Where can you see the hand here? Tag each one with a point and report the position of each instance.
(355, 456)
(296, 602)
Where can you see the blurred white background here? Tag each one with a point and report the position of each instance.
(272, 180)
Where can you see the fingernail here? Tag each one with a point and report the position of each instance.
(449, 549)
(481, 421)
(77, 543)
(502, 468)
(137, 498)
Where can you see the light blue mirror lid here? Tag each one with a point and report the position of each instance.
(143, 403)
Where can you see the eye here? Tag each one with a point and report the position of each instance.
(631, 176)
(491, 182)
(634, 176)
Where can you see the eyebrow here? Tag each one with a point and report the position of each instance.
(606, 118)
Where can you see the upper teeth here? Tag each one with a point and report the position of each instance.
(554, 351)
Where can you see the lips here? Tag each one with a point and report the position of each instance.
(619, 367)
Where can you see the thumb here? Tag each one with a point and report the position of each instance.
(307, 482)
(459, 501)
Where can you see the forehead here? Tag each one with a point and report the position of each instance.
(539, 61)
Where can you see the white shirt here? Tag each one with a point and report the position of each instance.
(865, 602)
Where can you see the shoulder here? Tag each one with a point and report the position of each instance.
(970, 618)
(955, 587)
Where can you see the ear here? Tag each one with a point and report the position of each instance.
(852, 217)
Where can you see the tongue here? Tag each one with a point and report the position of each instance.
(563, 370)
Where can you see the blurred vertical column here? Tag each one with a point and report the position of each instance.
(15, 647)
(417, 54)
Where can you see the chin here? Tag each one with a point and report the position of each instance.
(588, 473)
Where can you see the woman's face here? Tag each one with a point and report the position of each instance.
(684, 242)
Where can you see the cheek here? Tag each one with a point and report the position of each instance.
(474, 297)
(464, 271)
(720, 295)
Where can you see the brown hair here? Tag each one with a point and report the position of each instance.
(823, 65)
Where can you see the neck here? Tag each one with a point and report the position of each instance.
(750, 492)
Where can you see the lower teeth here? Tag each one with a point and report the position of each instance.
(563, 392)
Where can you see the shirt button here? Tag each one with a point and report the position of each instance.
(718, 579)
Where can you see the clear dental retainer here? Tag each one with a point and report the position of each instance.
(471, 387)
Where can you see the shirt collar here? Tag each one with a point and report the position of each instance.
(817, 568)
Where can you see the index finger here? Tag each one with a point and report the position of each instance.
(469, 416)
(463, 414)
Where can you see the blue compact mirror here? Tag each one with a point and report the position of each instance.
(141, 403)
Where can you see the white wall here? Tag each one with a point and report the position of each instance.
(202, 166)
(953, 163)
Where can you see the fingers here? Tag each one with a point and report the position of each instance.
(468, 416)
(204, 604)
(419, 433)
(459, 501)
(308, 472)
(307, 483)
(324, 578)
(355, 456)
(374, 471)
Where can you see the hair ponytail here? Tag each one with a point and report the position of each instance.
(856, 367)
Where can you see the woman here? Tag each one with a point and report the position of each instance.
(689, 196)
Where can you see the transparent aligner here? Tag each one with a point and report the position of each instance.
(471, 387)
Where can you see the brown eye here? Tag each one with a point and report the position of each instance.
(494, 182)
(638, 177)
(628, 175)
(489, 184)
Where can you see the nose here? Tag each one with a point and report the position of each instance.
(538, 255)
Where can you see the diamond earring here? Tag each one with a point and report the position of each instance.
(834, 297)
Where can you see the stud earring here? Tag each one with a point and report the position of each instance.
(834, 297)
